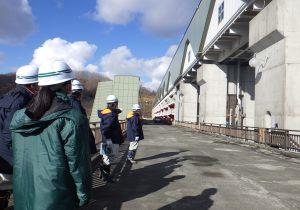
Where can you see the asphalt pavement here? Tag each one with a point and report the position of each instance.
(179, 168)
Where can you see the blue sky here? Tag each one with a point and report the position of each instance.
(137, 37)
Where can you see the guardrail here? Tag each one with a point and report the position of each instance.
(280, 138)
(95, 127)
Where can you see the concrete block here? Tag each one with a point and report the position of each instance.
(266, 28)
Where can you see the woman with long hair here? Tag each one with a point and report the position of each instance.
(52, 167)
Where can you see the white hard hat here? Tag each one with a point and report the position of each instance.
(27, 75)
(111, 99)
(76, 85)
(136, 107)
(54, 72)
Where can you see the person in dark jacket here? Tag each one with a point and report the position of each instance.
(134, 131)
(75, 99)
(111, 135)
(18, 98)
(51, 158)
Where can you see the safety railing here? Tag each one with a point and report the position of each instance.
(95, 127)
(280, 138)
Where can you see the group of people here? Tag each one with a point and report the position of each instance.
(46, 142)
(112, 135)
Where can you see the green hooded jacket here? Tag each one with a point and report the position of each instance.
(51, 159)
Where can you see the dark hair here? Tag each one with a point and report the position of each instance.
(40, 103)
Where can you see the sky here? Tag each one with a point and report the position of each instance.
(111, 37)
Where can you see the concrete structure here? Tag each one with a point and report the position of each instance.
(209, 79)
(126, 88)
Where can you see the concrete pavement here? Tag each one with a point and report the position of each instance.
(180, 169)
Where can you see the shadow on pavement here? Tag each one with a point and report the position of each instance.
(162, 155)
(199, 160)
(134, 184)
(198, 202)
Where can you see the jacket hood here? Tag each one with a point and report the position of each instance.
(22, 123)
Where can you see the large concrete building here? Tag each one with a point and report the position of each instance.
(126, 88)
(210, 80)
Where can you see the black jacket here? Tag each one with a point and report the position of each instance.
(14, 100)
(77, 105)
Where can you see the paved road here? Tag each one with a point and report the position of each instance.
(180, 169)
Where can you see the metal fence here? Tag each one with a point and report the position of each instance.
(95, 127)
(279, 138)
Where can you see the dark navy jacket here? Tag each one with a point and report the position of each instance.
(134, 127)
(14, 100)
(76, 104)
(110, 126)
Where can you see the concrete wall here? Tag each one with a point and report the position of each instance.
(213, 93)
(274, 35)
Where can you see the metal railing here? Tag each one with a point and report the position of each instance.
(95, 127)
(279, 138)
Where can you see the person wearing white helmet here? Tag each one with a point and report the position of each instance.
(50, 146)
(111, 135)
(75, 98)
(134, 131)
(18, 98)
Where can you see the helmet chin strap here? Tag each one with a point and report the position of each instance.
(29, 88)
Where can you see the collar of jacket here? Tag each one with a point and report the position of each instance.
(106, 111)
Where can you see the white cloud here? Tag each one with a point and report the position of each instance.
(76, 54)
(2, 57)
(16, 21)
(120, 61)
(162, 18)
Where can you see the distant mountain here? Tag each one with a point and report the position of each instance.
(147, 99)
(7, 82)
(89, 81)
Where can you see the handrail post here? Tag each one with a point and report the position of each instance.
(286, 139)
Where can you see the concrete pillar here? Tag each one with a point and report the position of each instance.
(213, 93)
(248, 93)
(274, 35)
(188, 105)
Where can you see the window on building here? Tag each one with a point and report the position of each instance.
(221, 12)
(189, 56)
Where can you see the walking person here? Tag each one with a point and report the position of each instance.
(52, 166)
(75, 99)
(18, 98)
(134, 131)
(111, 136)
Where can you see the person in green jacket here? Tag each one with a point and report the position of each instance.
(51, 157)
